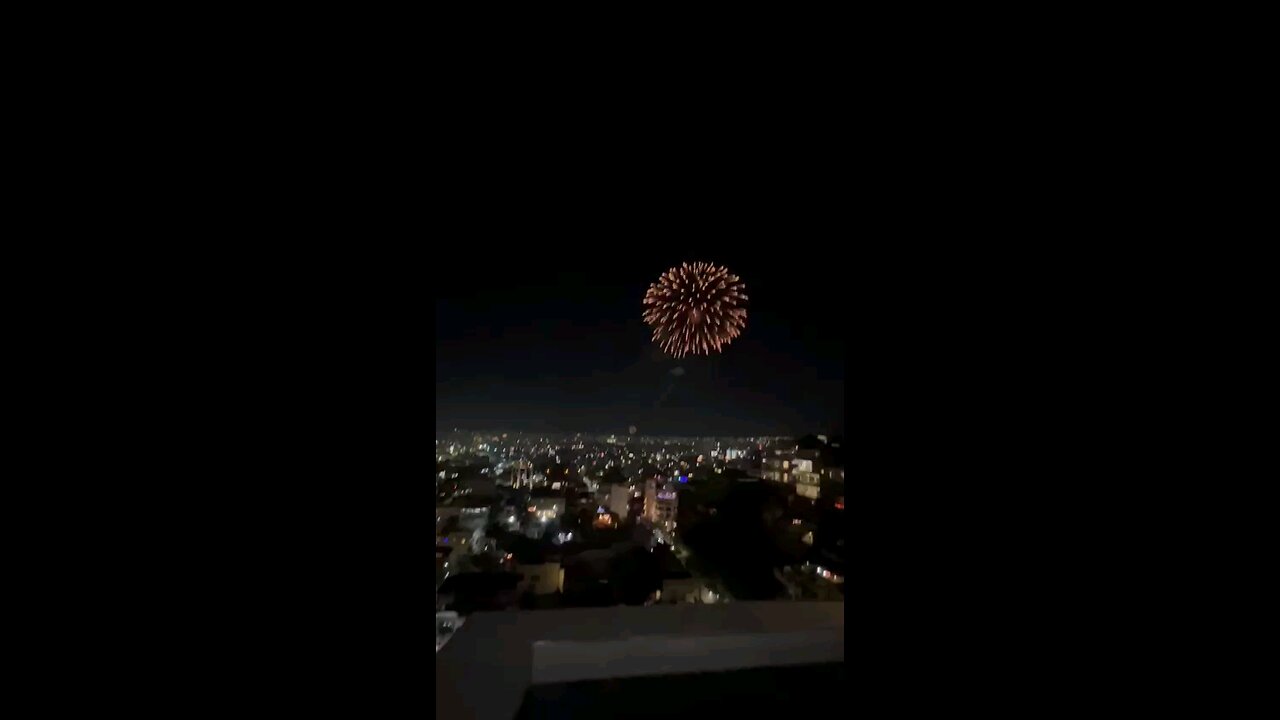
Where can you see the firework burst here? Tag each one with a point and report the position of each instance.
(695, 309)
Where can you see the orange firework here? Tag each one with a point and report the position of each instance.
(695, 309)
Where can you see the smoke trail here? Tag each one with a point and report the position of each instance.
(675, 372)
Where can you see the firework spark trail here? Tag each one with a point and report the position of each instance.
(695, 309)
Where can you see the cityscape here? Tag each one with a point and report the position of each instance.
(639, 485)
(544, 521)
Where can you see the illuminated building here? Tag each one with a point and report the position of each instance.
(776, 469)
(520, 474)
(660, 504)
(540, 578)
(807, 481)
(461, 541)
(619, 499)
(446, 624)
(473, 518)
(545, 509)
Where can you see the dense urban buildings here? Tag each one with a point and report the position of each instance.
(777, 468)
(661, 502)
(591, 520)
(575, 543)
(805, 478)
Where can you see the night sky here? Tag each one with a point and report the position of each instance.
(555, 342)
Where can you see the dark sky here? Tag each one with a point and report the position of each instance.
(556, 342)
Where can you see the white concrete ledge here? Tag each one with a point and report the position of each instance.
(555, 662)
(486, 667)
